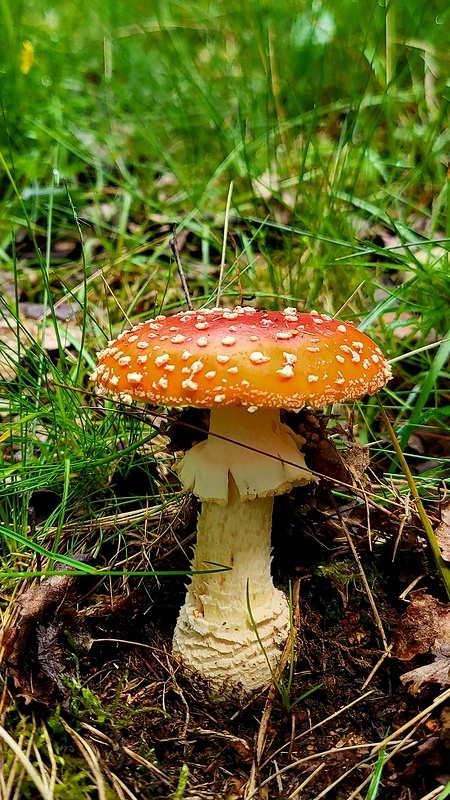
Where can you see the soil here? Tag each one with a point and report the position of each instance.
(113, 643)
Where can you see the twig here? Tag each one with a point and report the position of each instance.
(362, 573)
(296, 792)
(173, 241)
(130, 753)
(349, 300)
(327, 719)
(377, 666)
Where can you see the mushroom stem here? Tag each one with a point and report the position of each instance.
(214, 635)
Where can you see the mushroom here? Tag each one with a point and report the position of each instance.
(244, 365)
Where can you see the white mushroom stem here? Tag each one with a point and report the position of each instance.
(214, 635)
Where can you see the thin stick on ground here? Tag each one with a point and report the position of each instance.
(136, 757)
(322, 722)
(363, 575)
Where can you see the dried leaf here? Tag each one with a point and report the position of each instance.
(52, 655)
(320, 451)
(36, 652)
(357, 459)
(443, 531)
(425, 620)
(436, 672)
(424, 627)
(35, 604)
(427, 754)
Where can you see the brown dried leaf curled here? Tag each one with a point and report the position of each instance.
(425, 620)
(443, 531)
(424, 627)
(36, 653)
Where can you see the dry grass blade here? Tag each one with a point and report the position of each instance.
(173, 242)
(312, 757)
(434, 793)
(42, 788)
(138, 759)
(377, 666)
(224, 245)
(393, 739)
(122, 791)
(434, 547)
(120, 520)
(363, 575)
(264, 724)
(6, 789)
(400, 746)
(51, 755)
(304, 784)
(419, 717)
(90, 758)
(323, 722)
(333, 716)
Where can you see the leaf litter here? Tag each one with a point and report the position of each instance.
(116, 642)
(118, 645)
(425, 627)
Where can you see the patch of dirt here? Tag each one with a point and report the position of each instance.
(104, 653)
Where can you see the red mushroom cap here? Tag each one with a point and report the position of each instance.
(220, 357)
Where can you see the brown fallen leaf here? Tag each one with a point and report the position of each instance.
(444, 726)
(36, 652)
(420, 626)
(357, 460)
(424, 627)
(53, 657)
(427, 754)
(35, 604)
(320, 451)
(436, 672)
(442, 531)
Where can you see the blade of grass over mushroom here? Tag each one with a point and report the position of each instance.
(443, 568)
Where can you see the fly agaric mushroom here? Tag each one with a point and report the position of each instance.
(244, 365)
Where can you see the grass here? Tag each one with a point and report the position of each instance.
(121, 121)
